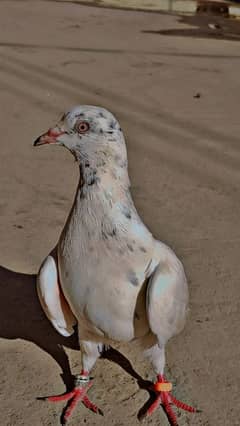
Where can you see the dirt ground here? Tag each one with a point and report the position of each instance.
(177, 99)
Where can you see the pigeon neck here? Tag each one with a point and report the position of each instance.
(101, 201)
(95, 179)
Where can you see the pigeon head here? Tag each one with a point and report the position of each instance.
(90, 133)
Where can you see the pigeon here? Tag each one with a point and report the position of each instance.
(107, 274)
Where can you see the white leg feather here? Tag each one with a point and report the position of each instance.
(90, 353)
(156, 355)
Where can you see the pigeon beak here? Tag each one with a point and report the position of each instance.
(48, 137)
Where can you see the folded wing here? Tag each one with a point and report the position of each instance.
(52, 299)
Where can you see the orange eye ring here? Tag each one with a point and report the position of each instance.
(82, 126)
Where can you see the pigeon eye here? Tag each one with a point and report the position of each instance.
(82, 126)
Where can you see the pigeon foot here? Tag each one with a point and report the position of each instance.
(163, 388)
(82, 384)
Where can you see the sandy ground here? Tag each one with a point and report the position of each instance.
(184, 166)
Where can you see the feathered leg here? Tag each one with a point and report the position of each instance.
(166, 302)
(162, 387)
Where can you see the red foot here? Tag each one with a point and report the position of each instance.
(164, 397)
(79, 393)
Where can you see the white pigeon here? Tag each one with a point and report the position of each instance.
(108, 274)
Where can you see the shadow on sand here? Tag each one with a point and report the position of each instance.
(21, 317)
(205, 26)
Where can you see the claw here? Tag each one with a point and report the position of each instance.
(79, 393)
(72, 404)
(164, 397)
(88, 404)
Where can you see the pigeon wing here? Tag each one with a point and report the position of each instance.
(167, 298)
(52, 299)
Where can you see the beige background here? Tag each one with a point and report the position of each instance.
(184, 167)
